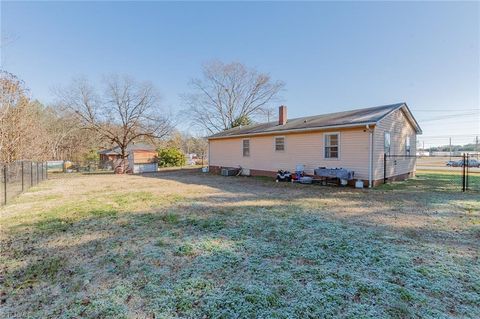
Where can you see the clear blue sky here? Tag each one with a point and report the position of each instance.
(332, 56)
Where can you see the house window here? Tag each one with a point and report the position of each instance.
(246, 147)
(279, 143)
(387, 143)
(331, 145)
(407, 146)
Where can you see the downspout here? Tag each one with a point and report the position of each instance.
(370, 155)
(209, 161)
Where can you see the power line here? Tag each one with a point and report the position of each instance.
(450, 135)
(446, 117)
(450, 123)
(447, 111)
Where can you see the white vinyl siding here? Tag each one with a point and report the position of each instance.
(300, 149)
(399, 127)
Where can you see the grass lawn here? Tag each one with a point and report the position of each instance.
(190, 245)
(431, 180)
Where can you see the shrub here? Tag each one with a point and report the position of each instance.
(169, 157)
(92, 156)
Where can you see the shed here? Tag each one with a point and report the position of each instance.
(142, 158)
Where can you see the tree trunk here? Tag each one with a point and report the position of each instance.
(122, 167)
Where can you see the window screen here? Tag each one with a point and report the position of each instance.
(387, 143)
(246, 147)
(279, 143)
(407, 146)
(331, 146)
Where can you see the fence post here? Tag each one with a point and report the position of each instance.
(23, 182)
(466, 174)
(384, 168)
(31, 174)
(5, 183)
(37, 172)
(463, 173)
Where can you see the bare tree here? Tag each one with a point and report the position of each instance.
(66, 140)
(269, 113)
(126, 111)
(230, 95)
(22, 133)
(10, 92)
(31, 131)
(199, 146)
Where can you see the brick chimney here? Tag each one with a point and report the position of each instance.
(282, 115)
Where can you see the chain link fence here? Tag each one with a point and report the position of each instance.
(471, 173)
(452, 173)
(19, 176)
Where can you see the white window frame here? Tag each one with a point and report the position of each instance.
(243, 147)
(275, 143)
(408, 146)
(389, 142)
(325, 136)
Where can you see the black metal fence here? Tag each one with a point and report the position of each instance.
(445, 173)
(19, 176)
(471, 173)
(61, 166)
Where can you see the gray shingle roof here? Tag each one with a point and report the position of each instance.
(130, 147)
(357, 117)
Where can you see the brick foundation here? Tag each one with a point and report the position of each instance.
(214, 169)
(253, 172)
(377, 182)
(395, 178)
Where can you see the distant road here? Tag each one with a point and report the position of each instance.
(446, 168)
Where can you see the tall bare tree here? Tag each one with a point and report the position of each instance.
(66, 138)
(22, 133)
(230, 95)
(126, 111)
(31, 131)
(11, 94)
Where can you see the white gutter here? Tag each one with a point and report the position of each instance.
(370, 155)
(299, 130)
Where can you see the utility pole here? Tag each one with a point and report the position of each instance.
(450, 148)
(476, 146)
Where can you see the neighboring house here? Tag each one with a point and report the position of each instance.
(355, 140)
(191, 158)
(141, 158)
